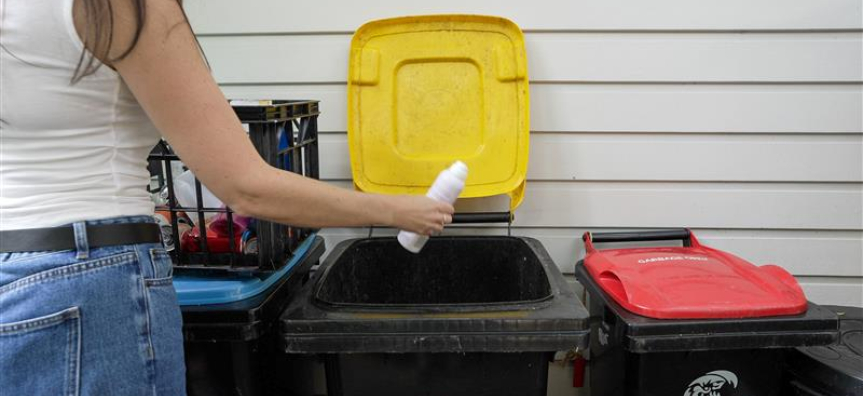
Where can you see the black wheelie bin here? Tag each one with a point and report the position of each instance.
(691, 320)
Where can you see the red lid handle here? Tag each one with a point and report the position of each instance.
(683, 234)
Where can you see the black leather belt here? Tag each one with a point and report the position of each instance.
(63, 238)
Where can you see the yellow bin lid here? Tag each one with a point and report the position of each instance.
(426, 91)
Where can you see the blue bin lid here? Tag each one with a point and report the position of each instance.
(221, 289)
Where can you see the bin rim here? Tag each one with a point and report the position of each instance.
(560, 323)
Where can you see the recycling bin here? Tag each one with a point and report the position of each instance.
(468, 315)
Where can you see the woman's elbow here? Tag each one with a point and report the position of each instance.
(244, 199)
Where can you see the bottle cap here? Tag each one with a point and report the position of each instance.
(459, 169)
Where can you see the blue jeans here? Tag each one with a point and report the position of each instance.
(102, 321)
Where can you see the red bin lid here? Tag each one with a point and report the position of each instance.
(692, 282)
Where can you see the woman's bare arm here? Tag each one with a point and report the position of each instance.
(169, 78)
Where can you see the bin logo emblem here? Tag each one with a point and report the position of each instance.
(712, 384)
(603, 336)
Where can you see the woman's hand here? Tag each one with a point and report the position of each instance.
(419, 214)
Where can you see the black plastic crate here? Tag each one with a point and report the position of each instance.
(470, 315)
(285, 134)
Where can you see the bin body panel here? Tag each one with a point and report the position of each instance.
(226, 368)
(673, 373)
(437, 374)
(796, 388)
(752, 372)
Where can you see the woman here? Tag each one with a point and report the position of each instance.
(86, 89)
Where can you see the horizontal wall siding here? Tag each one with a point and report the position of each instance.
(667, 157)
(606, 57)
(741, 120)
(668, 204)
(322, 16)
(649, 108)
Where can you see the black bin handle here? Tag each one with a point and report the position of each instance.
(477, 218)
(682, 234)
(482, 217)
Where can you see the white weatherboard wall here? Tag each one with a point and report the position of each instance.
(740, 119)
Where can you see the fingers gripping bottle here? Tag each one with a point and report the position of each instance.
(446, 188)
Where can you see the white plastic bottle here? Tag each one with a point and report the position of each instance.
(446, 188)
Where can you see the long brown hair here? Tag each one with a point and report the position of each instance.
(99, 37)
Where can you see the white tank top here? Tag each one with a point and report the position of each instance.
(67, 152)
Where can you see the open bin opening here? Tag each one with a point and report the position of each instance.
(450, 271)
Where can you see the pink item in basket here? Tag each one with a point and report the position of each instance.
(219, 225)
